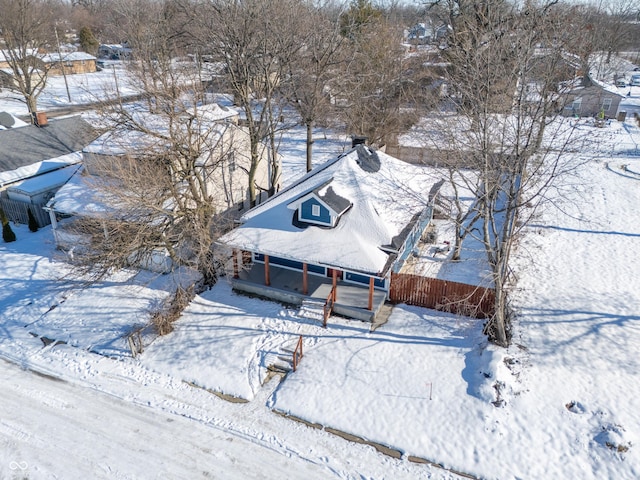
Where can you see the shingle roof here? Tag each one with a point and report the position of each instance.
(27, 145)
(332, 199)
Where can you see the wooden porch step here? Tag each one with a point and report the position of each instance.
(279, 368)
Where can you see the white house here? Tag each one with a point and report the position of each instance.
(224, 163)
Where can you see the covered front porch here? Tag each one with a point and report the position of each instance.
(286, 285)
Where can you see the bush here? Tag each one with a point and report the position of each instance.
(7, 233)
(33, 225)
(164, 318)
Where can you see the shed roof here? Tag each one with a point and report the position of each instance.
(45, 182)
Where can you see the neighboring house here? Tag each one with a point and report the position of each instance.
(69, 63)
(347, 224)
(36, 161)
(225, 164)
(9, 81)
(54, 63)
(114, 52)
(590, 98)
(423, 33)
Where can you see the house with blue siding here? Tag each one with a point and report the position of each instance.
(336, 234)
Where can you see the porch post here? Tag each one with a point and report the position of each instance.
(335, 284)
(370, 294)
(235, 263)
(267, 279)
(305, 285)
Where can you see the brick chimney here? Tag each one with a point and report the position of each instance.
(41, 119)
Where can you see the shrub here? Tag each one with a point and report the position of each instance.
(7, 233)
(33, 224)
(170, 311)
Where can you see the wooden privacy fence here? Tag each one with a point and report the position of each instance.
(442, 295)
(17, 212)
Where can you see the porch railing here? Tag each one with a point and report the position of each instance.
(328, 306)
(297, 354)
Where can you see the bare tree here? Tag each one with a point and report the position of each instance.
(28, 30)
(371, 89)
(594, 32)
(313, 67)
(163, 181)
(502, 144)
(166, 178)
(254, 40)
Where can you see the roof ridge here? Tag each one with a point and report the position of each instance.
(301, 180)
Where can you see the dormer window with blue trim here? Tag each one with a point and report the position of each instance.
(321, 206)
(312, 210)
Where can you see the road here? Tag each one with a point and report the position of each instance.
(50, 428)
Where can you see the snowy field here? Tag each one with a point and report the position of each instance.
(563, 402)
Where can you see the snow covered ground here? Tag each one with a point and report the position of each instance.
(83, 88)
(562, 402)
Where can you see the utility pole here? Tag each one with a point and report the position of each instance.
(64, 73)
(115, 78)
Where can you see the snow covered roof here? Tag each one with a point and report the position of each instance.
(69, 57)
(211, 122)
(39, 168)
(576, 87)
(6, 56)
(385, 193)
(7, 120)
(45, 182)
(77, 197)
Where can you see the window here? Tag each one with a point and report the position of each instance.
(232, 162)
(606, 104)
(315, 210)
(574, 106)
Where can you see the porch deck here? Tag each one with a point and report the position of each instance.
(286, 286)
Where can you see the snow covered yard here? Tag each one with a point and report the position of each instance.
(225, 342)
(562, 402)
(83, 88)
(63, 409)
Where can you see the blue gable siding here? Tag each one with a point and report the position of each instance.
(291, 264)
(414, 237)
(306, 212)
(364, 279)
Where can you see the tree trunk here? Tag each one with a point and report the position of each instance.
(499, 321)
(457, 248)
(32, 105)
(309, 144)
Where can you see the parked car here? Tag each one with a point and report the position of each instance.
(635, 80)
(621, 82)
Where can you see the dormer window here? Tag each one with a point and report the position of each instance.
(321, 206)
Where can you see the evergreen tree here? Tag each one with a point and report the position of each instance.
(7, 233)
(33, 224)
(88, 42)
(360, 14)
